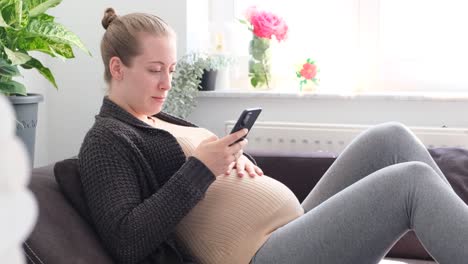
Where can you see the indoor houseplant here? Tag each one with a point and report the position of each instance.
(187, 81)
(212, 65)
(307, 75)
(25, 27)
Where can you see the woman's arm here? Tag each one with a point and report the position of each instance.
(133, 228)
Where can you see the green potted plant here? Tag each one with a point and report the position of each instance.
(213, 64)
(25, 27)
(190, 72)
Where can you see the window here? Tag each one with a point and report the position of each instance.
(359, 45)
(423, 45)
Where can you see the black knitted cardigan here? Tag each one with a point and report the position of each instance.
(138, 185)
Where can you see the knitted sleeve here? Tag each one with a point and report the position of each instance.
(130, 227)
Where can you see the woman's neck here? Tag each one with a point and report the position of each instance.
(129, 109)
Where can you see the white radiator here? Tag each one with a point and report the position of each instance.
(302, 138)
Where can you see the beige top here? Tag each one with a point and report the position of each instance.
(237, 214)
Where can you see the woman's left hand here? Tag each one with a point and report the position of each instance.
(245, 166)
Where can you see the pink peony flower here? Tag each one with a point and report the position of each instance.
(309, 71)
(266, 24)
(249, 12)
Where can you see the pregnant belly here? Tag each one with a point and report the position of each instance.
(236, 217)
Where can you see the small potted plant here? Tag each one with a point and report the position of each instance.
(213, 64)
(195, 72)
(308, 76)
(25, 27)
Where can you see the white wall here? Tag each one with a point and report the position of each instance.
(66, 115)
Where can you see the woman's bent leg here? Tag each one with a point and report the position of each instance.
(362, 222)
(378, 147)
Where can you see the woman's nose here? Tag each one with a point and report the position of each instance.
(165, 82)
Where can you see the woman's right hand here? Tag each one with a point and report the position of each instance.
(216, 153)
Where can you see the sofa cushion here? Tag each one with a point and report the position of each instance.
(68, 178)
(454, 164)
(60, 234)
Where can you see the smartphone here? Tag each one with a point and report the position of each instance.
(246, 120)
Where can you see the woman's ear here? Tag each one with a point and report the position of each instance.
(116, 68)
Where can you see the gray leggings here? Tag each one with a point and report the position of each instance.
(382, 185)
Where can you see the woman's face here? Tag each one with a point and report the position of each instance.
(145, 83)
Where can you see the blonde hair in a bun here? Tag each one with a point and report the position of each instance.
(109, 16)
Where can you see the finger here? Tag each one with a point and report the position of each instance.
(239, 153)
(238, 146)
(250, 170)
(231, 138)
(244, 142)
(228, 171)
(259, 171)
(240, 167)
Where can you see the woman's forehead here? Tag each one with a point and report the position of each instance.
(158, 49)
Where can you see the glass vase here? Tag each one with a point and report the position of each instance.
(260, 62)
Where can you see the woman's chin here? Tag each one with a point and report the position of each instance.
(156, 110)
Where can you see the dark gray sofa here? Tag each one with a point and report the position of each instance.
(62, 235)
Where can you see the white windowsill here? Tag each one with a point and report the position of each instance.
(445, 97)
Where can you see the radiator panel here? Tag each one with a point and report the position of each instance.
(302, 138)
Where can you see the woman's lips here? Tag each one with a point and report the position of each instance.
(159, 99)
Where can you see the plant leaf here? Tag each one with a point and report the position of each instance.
(48, 47)
(242, 21)
(12, 87)
(9, 12)
(17, 58)
(63, 50)
(45, 17)
(54, 32)
(12, 12)
(2, 21)
(37, 7)
(254, 82)
(19, 11)
(8, 70)
(44, 71)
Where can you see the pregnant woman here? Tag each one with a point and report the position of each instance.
(162, 190)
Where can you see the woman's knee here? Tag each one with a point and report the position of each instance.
(418, 171)
(390, 132)
(393, 129)
(407, 177)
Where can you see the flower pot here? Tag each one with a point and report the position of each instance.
(208, 81)
(26, 115)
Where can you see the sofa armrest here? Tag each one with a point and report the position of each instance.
(60, 235)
